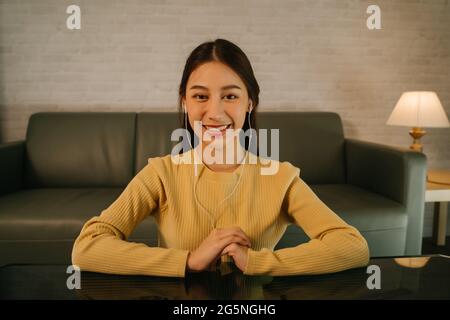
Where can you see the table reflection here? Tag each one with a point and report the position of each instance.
(414, 262)
(234, 285)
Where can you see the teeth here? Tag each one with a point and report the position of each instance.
(216, 129)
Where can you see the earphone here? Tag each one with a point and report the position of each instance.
(195, 168)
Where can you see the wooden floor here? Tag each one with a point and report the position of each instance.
(428, 247)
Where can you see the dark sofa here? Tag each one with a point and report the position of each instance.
(72, 165)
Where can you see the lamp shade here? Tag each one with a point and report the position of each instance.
(419, 109)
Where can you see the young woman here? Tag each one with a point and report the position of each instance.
(209, 212)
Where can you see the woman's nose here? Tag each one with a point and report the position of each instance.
(215, 110)
(216, 117)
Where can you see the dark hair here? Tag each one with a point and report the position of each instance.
(231, 55)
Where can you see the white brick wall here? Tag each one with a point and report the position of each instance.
(307, 55)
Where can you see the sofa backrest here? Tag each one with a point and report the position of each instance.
(153, 131)
(106, 149)
(312, 141)
(80, 149)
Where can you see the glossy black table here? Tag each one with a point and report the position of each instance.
(425, 277)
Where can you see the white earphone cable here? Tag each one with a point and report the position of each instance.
(196, 178)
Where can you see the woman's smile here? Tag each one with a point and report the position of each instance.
(217, 131)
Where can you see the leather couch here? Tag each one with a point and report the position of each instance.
(72, 165)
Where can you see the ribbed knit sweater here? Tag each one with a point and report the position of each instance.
(261, 205)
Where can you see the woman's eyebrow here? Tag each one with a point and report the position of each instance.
(231, 86)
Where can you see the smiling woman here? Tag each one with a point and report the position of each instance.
(218, 106)
(229, 212)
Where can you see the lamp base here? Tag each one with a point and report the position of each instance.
(416, 133)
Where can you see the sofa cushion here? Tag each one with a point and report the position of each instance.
(59, 214)
(365, 210)
(381, 221)
(312, 141)
(80, 149)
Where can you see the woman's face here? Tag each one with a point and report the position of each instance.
(216, 96)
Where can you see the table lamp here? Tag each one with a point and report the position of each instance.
(418, 109)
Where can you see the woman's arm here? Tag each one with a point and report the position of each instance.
(334, 245)
(102, 246)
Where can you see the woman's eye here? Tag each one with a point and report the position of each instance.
(200, 96)
(232, 95)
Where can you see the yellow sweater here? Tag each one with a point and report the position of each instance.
(262, 206)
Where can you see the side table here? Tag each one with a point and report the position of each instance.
(438, 191)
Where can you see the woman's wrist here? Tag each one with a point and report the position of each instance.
(189, 263)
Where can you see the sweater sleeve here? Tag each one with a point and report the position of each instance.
(334, 245)
(102, 244)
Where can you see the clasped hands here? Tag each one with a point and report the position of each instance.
(221, 241)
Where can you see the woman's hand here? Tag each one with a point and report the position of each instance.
(239, 254)
(210, 250)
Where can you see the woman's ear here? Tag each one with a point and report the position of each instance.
(250, 106)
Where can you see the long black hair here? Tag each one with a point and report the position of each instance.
(231, 55)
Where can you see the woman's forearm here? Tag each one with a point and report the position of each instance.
(99, 249)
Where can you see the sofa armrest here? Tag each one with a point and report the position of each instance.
(396, 173)
(11, 166)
